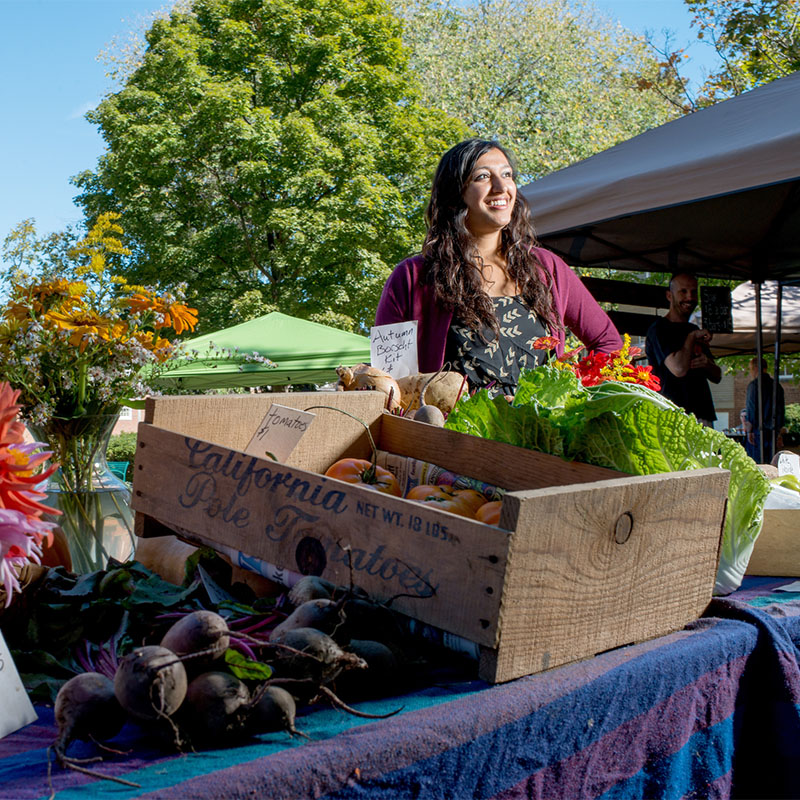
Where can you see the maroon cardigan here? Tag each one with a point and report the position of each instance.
(405, 297)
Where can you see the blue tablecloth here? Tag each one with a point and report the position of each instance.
(708, 712)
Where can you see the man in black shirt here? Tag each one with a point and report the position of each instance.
(678, 352)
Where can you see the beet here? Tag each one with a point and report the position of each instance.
(313, 655)
(310, 587)
(203, 634)
(324, 615)
(216, 708)
(86, 708)
(274, 711)
(150, 682)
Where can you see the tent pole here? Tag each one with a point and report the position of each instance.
(777, 372)
(759, 356)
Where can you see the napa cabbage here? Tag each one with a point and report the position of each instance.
(626, 427)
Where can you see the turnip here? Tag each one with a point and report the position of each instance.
(216, 708)
(87, 708)
(150, 682)
(202, 634)
(324, 615)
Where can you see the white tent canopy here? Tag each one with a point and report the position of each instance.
(743, 301)
(716, 192)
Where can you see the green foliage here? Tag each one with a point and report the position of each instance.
(45, 257)
(757, 41)
(122, 447)
(549, 78)
(270, 150)
(793, 418)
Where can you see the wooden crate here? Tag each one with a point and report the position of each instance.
(777, 548)
(586, 559)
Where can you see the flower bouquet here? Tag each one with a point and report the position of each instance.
(76, 346)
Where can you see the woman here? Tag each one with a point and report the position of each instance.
(481, 290)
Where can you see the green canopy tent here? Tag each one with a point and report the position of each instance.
(303, 352)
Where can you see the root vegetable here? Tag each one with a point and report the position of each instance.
(310, 587)
(382, 671)
(86, 708)
(430, 415)
(365, 619)
(274, 711)
(201, 633)
(428, 388)
(363, 376)
(150, 682)
(324, 615)
(216, 708)
(312, 654)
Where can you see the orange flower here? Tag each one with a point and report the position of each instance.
(168, 315)
(179, 317)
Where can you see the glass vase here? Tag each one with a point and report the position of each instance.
(96, 514)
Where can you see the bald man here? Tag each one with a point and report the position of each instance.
(679, 354)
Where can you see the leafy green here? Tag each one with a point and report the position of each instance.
(629, 428)
(245, 668)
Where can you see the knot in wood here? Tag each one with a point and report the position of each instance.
(623, 528)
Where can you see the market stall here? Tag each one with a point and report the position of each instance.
(703, 712)
(301, 352)
(715, 193)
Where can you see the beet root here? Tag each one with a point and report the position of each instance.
(310, 654)
(310, 587)
(323, 615)
(86, 708)
(150, 682)
(274, 711)
(383, 671)
(202, 634)
(216, 708)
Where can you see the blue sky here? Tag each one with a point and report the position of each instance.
(51, 77)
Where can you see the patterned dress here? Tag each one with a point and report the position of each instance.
(497, 363)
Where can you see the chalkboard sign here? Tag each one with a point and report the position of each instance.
(715, 304)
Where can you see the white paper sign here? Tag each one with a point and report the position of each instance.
(393, 348)
(279, 432)
(17, 709)
(789, 464)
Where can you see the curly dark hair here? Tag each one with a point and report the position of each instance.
(452, 263)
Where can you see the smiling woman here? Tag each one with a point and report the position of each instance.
(482, 291)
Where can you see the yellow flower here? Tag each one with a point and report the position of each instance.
(85, 325)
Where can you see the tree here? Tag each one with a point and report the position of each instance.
(756, 40)
(549, 78)
(270, 150)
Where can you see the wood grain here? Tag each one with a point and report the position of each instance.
(451, 568)
(601, 565)
(777, 548)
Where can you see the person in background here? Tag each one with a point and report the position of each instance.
(678, 352)
(743, 421)
(482, 290)
(752, 424)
